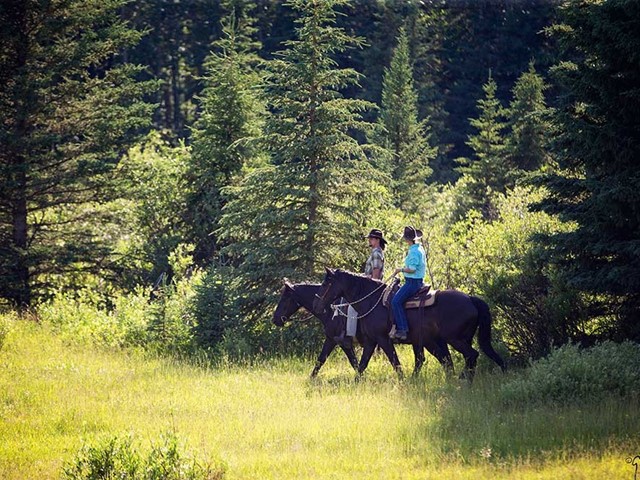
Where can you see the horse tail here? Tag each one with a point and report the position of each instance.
(484, 331)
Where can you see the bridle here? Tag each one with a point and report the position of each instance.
(340, 305)
(300, 320)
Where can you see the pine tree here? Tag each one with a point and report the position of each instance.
(528, 123)
(65, 120)
(487, 171)
(230, 116)
(402, 134)
(306, 209)
(596, 147)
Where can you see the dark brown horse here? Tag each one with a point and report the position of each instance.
(294, 297)
(453, 320)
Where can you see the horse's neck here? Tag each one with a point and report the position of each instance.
(357, 289)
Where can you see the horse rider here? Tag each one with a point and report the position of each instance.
(414, 270)
(374, 268)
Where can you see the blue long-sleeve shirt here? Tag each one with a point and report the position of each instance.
(416, 259)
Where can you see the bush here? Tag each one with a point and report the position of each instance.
(80, 318)
(213, 307)
(171, 316)
(570, 373)
(119, 458)
(532, 305)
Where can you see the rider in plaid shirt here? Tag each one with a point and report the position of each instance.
(374, 268)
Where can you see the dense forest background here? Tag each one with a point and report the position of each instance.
(168, 163)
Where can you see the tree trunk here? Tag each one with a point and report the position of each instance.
(22, 292)
(20, 289)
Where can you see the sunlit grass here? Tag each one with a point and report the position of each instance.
(271, 421)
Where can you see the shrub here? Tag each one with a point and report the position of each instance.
(570, 373)
(532, 305)
(164, 325)
(171, 318)
(119, 458)
(213, 307)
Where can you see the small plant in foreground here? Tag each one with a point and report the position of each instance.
(118, 458)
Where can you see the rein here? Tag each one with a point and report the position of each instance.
(301, 320)
(341, 305)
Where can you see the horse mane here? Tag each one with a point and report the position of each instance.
(361, 280)
(360, 276)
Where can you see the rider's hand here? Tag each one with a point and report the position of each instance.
(397, 271)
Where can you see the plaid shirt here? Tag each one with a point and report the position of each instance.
(375, 260)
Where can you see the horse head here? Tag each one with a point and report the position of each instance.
(287, 305)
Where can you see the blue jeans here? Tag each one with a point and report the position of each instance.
(408, 290)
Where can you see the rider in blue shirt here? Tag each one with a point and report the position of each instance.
(415, 267)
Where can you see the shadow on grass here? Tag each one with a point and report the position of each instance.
(475, 423)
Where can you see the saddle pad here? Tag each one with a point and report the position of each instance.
(415, 302)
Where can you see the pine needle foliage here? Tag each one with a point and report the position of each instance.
(596, 185)
(306, 208)
(231, 114)
(66, 118)
(403, 134)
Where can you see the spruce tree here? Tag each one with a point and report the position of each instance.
(597, 145)
(309, 206)
(402, 134)
(487, 171)
(230, 116)
(65, 119)
(527, 143)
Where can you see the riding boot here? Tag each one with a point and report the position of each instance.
(400, 335)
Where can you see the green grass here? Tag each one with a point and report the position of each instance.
(271, 422)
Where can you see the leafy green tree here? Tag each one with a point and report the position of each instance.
(596, 185)
(402, 134)
(230, 115)
(527, 143)
(65, 118)
(147, 222)
(487, 171)
(307, 208)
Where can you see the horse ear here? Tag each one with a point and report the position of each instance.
(287, 284)
(329, 271)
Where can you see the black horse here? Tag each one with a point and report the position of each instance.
(454, 318)
(293, 297)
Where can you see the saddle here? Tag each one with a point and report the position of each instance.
(424, 298)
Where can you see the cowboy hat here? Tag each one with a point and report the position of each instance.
(375, 233)
(412, 233)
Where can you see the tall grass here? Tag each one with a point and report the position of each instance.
(271, 422)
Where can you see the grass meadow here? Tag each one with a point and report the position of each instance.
(270, 421)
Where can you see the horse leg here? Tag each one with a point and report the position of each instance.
(418, 354)
(446, 361)
(327, 348)
(439, 349)
(351, 355)
(470, 356)
(367, 351)
(388, 348)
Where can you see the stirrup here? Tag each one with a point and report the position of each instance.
(392, 332)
